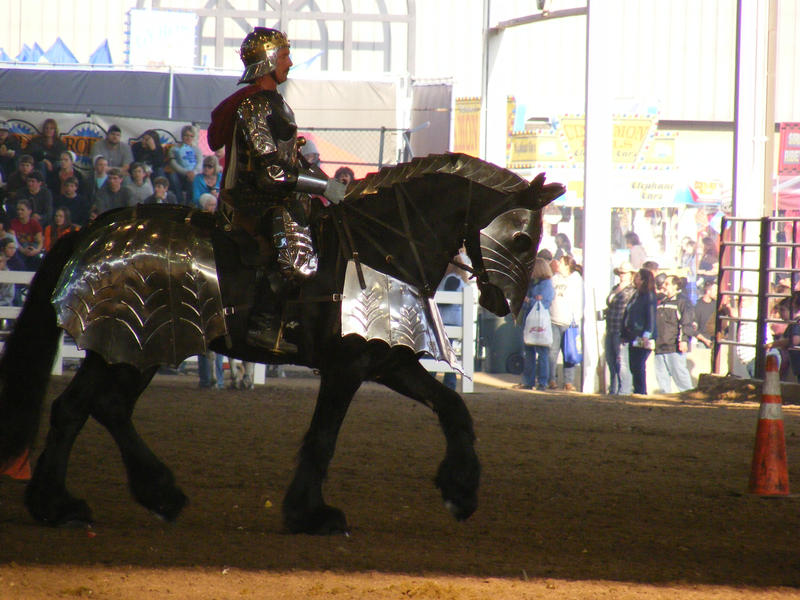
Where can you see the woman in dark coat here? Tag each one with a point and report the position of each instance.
(639, 327)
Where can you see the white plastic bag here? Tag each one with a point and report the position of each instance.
(537, 331)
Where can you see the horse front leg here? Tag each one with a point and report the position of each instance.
(304, 509)
(458, 475)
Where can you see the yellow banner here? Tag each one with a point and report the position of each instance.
(467, 126)
(636, 142)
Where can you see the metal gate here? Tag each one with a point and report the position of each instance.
(755, 255)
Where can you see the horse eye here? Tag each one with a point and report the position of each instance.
(521, 242)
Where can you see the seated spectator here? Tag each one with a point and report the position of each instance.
(112, 194)
(6, 289)
(62, 225)
(5, 227)
(46, 148)
(13, 259)
(10, 151)
(77, 203)
(40, 198)
(148, 152)
(344, 174)
(185, 161)
(208, 182)
(98, 178)
(139, 184)
(17, 182)
(14, 262)
(161, 192)
(66, 170)
(208, 203)
(117, 153)
(29, 235)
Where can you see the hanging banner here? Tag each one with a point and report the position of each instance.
(789, 156)
(467, 126)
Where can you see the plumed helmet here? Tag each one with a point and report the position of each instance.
(259, 52)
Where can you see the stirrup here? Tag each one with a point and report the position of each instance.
(262, 332)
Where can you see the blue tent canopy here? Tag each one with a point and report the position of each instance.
(3, 56)
(24, 54)
(101, 56)
(59, 53)
(36, 53)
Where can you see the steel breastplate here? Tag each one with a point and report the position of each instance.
(395, 312)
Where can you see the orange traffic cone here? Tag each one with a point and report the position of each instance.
(18, 468)
(769, 475)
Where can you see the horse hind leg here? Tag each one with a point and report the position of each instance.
(151, 482)
(46, 496)
(458, 475)
(108, 393)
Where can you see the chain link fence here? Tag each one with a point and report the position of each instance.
(364, 150)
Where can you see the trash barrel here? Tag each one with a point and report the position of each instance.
(499, 343)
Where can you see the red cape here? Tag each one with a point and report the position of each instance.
(220, 131)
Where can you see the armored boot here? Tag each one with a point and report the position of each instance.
(265, 327)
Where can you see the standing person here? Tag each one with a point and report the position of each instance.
(708, 263)
(98, 178)
(344, 174)
(118, 154)
(617, 351)
(564, 310)
(311, 154)
(208, 182)
(148, 152)
(46, 148)
(674, 328)
(639, 327)
(454, 280)
(536, 366)
(185, 160)
(563, 245)
(637, 252)
(139, 185)
(264, 171)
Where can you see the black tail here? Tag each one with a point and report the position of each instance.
(28, 356)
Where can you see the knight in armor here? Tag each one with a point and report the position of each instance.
(266, 181)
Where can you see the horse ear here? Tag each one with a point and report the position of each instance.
(543, 194)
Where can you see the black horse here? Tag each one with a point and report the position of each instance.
(407, 221)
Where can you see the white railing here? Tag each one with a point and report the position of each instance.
(465, 333)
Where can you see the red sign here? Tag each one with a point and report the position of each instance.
(789, 156)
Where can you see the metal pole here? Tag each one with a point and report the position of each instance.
(380, 150)
(763, 298)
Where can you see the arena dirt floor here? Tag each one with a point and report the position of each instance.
(582, 497)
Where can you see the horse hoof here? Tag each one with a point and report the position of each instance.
(459, 487)
(68, 514)
(325, 520)
(170, 509)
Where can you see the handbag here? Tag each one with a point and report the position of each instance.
(537, 330)
(572, 346)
